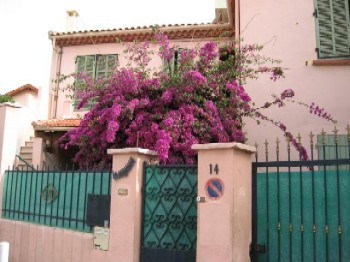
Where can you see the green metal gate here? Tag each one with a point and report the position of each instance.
(301, 209)
(169, 213)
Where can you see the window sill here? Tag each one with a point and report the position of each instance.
(331, 62)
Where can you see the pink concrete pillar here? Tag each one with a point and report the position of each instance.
(38, 156)
(225, 208)
(126, 204)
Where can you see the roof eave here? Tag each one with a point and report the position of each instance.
(53, 128)
(127, 35)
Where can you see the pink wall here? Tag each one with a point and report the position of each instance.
(287, 29)
(30, 242)
(67, 66)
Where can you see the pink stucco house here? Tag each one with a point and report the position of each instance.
(310, 38)
(84, 50)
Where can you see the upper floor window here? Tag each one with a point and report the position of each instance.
(95, 66)
(333, 28)
(174, 64)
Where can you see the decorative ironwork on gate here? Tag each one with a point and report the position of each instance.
(170, 207)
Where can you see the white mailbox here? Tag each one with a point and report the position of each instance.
(101, 238)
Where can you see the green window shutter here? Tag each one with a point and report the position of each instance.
(105, 65)
(95, 66)
(177, 57)
(341, 27)
(84, 64)
(333, 28)
(169, 67)
(174, 62)
(111, 63)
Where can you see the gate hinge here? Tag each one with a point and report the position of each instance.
(257, 248)
(315, 13)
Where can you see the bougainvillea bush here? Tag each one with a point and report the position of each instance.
(200, 98)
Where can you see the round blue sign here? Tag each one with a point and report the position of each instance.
(214, 188)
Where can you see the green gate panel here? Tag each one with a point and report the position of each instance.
(295, 210)
(284, 248)
(170, 207)
(304, 215)
(262, 211)
(320, 219)
(344, 188)
(307, 217)
(332, 216)
(272, 217)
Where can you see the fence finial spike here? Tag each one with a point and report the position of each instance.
(266, 147)
(288, 143)
(335, 131)
(311, 135)
(323, 135)
(299, 140)
(256, 151)
(277, 145)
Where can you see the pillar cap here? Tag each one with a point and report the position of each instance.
(233, 145)
(131, 150)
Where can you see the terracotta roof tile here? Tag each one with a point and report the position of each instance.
(126, 29)
(129, 35)
(72, 122)
(174, 32)
(26, 87)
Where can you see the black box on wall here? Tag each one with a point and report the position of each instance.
(98, 210)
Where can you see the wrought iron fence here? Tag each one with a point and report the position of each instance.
(52, 198)
(321, 146)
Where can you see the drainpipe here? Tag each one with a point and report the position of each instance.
(237, 20)
(57, 83)
(71, 25)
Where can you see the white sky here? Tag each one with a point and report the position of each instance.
(25, 50)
